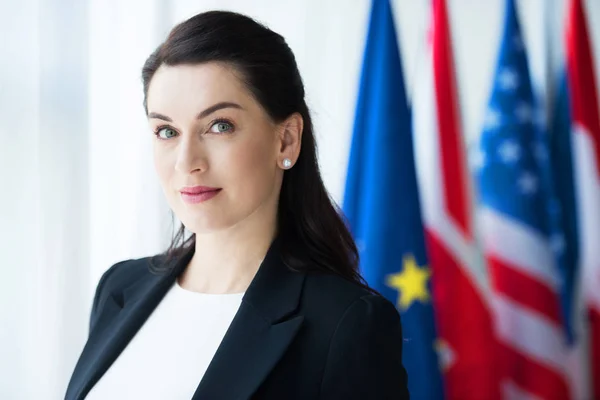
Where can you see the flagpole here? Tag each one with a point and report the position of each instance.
(549, 68)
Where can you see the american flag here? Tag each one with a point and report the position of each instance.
(519, 239)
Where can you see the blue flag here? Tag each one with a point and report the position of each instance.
(381, 202)
(565, 214)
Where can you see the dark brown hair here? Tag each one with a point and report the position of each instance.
(311, 229)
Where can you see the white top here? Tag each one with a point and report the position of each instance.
(168, 356)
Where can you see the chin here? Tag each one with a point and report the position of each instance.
(206, 223)
(204, 226)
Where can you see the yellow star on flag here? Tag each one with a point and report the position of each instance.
(411, 283)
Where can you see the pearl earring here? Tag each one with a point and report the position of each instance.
(287, 163)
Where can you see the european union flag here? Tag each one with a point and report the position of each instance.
(381, 201)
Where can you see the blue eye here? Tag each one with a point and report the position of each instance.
(221, 127)
(165, 133)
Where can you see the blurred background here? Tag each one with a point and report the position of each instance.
(79, 191)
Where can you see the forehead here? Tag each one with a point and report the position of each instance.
(190, 88)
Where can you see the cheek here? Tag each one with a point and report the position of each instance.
(252, 166)
(163, 165)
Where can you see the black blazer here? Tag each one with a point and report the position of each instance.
(295, 335)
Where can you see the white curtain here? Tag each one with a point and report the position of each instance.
(78, 190)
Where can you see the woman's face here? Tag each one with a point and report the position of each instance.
(210, 132)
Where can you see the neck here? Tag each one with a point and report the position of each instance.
(226, 261)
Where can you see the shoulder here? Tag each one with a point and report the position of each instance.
(339, 297)
(364, 333)
(121, 275)
(347, 314)
(126, 272)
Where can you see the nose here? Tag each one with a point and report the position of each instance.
(191, 155)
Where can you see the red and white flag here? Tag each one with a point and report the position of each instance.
(585, 143)
(459, 283)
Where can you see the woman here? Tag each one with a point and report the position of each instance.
(264, 299)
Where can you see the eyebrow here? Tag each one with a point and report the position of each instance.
(202, 114)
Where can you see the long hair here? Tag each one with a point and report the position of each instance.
(311, 228)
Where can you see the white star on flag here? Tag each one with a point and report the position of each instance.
(528, 183)
(492, 119)
(523, 112)
(477, 158)
(509, 151)
(508, 79)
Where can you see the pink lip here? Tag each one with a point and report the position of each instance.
(198, 194)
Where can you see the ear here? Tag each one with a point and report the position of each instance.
(290, 139)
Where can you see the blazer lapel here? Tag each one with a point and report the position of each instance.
(259, 334)
(112, 333)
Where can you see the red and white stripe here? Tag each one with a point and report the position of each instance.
(528, 322)
(459, 280)
(585, 142)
